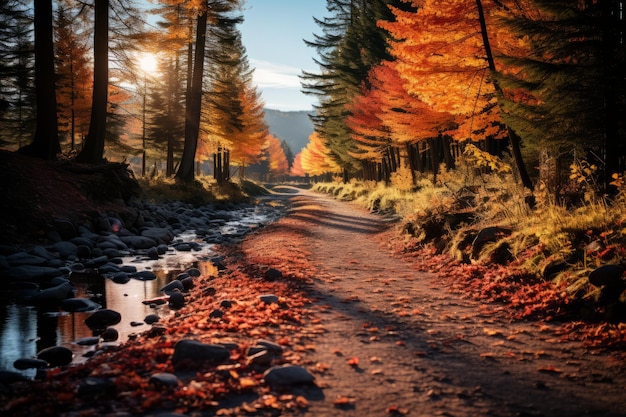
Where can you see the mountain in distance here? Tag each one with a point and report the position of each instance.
(294, 127)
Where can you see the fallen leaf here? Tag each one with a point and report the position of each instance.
(354, 361)
(550, 369)
(344, 400)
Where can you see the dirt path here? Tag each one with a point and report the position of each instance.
(393, 341)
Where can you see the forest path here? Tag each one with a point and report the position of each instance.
(395, 342)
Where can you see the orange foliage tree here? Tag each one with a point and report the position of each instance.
(278, 164)
(316, 157)
(441, 57)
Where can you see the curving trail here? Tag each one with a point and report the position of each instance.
(392, 341)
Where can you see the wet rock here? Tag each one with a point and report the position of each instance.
(24, 258)
(183, 247)
(138, 242)
(191, 354)
(88, 341)
(31, 273)
(54, 295)
(286, 375)
(29, 363)
(226, 304)
(177, 300)
(79, 304)
(151, 318)
(120, 277)
(160, 234)
(42, 252)
(156, 330)
(56, 356)
(153, 254)
(109, 268)
(188, 283)
(136, 323)
(110, 335)
(101, 319)
(172, 286)
(164, 379)
(23, 290)
(194, 272)
(144, 275)
(66, 249)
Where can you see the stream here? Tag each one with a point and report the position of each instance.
(25, 329)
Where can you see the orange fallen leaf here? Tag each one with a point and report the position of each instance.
(353, 361)
(344, 400)
(550, 369)
(492, 332)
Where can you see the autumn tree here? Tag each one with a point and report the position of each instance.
(316, 158)
(278, 164)
(234, 110)
(350, 44)
(73, 76)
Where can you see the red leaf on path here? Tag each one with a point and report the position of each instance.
(354, 361)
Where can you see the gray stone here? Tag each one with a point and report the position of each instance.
(269, 299)
(171, 286)
(159, 234)
(139, 242)
(144, 275)
(110, 335)
(56, 356)
(66, 249)
(64, 228)
(272, 274)
(191, 354)
(164, 379)
(271, 346)
(177, 300)
(288, 375)
(153, 253)
(88, 341)
(42, 252)
(24, 258)
(151, 318)
(29, 363)
(101, 319)
(54, 295)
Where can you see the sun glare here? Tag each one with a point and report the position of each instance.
(147, 62)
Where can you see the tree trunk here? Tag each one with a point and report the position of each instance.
(514, 139)
(610, 40)
(45, 142)
(93, 148)
(194, 104)
(434, 157)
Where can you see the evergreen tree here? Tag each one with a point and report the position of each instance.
(17, 101)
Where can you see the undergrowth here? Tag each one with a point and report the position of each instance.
(479, 214)
(204, 190)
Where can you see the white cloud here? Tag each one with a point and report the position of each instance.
(271, 75)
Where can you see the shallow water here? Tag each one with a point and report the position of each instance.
(26, 330)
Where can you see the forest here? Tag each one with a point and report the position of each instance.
(167, 89)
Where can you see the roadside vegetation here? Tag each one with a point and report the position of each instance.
(484, 216)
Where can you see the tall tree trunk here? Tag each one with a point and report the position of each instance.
(610, 40)
(514, 138)
(194, 104)
(93, 150)
(45, 142)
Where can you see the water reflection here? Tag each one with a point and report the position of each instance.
(25, 330)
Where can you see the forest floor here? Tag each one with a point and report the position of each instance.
(384, 332)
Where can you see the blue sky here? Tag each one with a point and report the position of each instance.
(273, 33)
